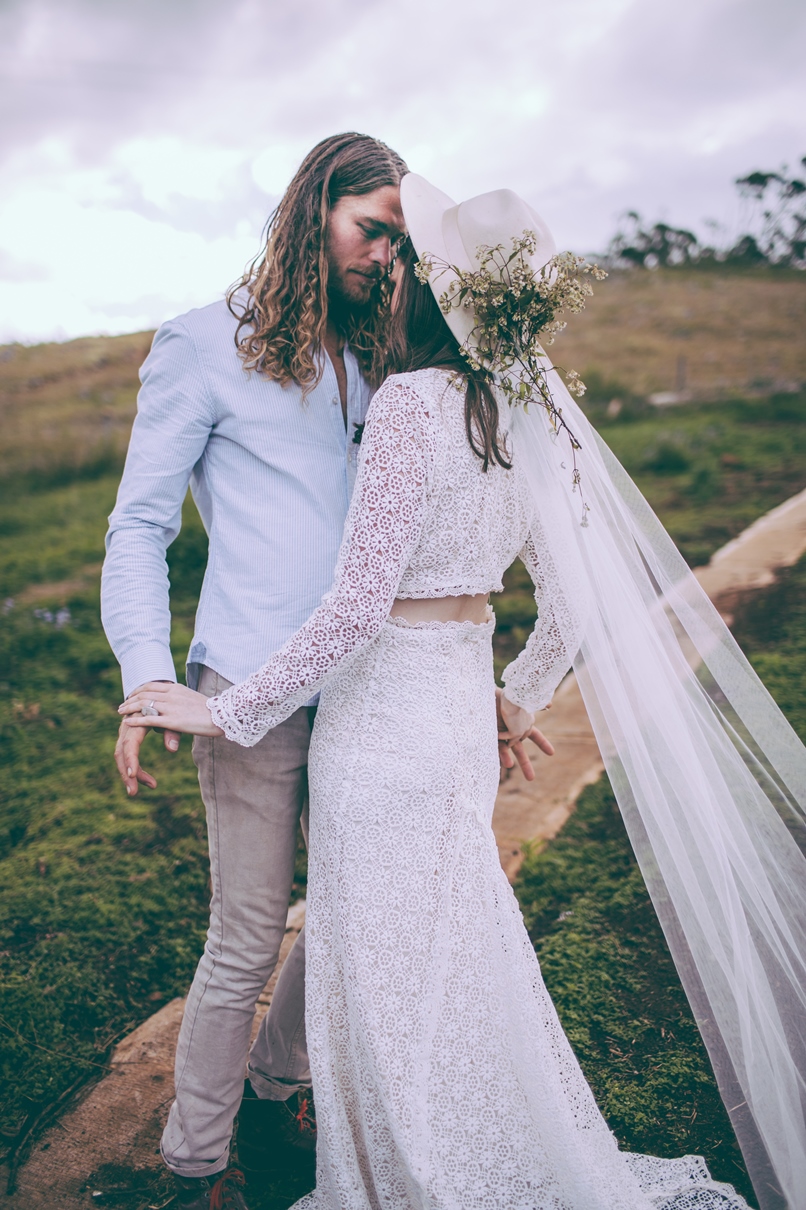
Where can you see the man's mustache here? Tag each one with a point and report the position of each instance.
(374, 275)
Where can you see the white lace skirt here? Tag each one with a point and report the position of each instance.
(442, 1076)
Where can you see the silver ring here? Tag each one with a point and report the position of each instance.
(150, 711)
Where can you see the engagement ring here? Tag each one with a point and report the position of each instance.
(149, 710)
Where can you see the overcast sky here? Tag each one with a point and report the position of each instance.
(143, 142)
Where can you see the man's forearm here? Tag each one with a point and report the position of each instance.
(135, 608)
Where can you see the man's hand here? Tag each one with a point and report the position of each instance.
(127, 756)
(512, 731)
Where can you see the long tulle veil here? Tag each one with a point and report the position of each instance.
(709, 776)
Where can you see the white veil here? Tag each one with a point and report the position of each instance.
(709, 776)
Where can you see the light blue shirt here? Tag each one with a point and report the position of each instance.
(271, 474)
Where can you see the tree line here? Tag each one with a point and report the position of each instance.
(778, 220)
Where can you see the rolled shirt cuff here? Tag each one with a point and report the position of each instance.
(149, 662)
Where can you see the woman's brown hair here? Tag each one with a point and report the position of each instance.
(281, 300)
(419, 338)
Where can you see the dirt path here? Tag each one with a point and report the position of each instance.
(116, 1127)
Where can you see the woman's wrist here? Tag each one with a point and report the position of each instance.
(517, 720)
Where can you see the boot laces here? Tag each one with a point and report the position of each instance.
(305, 1116)
(221, 1194)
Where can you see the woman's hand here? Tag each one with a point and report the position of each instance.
(517, 721)
(514, 726)
(173, 707)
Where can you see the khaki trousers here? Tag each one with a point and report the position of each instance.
(254, 798)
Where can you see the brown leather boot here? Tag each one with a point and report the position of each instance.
(221, 1191)
(276, 1135)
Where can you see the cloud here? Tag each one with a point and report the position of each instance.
(115, 272)
(12, 269)
(150, 141)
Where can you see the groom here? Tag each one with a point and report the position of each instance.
(256, 403)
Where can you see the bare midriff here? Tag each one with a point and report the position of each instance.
(442, 609)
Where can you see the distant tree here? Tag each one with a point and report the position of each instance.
(778, 236)
(781, 200)
(653, 246)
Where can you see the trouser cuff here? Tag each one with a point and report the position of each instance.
(270, 1088)
(210, 1168)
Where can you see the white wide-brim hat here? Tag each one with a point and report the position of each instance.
(452, 233)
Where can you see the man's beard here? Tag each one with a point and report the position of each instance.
(348, 308)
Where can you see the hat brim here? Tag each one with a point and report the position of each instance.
(424, 209)
(423, 206)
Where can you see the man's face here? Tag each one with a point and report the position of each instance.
(363, 232)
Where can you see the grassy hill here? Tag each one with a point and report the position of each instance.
(68, 408)
(105, 898)
(724, 333)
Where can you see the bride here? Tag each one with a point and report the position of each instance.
(443, 1078)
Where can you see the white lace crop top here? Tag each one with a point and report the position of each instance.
(425, 521)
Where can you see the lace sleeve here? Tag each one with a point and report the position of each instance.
(531, 679)
(382, 528)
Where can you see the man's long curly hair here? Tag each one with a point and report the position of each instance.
(281, 300)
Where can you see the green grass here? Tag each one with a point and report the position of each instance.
(771, 628)
(104, 897)
(710, 470)
(51, 536)
(67, 408)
